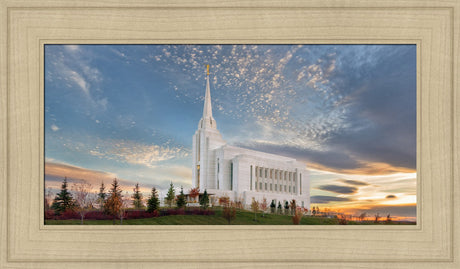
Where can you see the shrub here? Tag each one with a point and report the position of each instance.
(194, 193)
(140, 214)
(181, 211)
(98, 215)
(69, 214)
(49, 214)
(224, 201)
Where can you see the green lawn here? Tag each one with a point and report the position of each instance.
(242, 218)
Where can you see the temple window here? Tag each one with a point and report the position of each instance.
(251, 178)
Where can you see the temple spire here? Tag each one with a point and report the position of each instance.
(207, 120)
(207, 110)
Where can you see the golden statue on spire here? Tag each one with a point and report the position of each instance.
(207, 69)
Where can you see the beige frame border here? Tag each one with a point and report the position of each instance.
(27, 25)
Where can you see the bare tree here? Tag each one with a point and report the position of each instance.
(377, 218)
(84, 198)
(389, 220)
(229, 212)
(342, 219)
(362, 216)
(255, 208)
(48, 199)
(264, 206)
(293, 206)
(125, 202)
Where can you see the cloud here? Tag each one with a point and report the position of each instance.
(72, 48)
(391, 196)
(383, 104)
(71, 66)
(353, 182)
(79, 80)
(322, 199)
(344, 107)
(159, 177)
(326, 160)
(338, 189)
(407, 210)
(136, 153)
(57, 171)
(119, 53)
(54, 127)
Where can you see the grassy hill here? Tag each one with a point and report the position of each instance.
(242, 218)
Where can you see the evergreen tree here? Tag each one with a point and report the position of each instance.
(114, 203)
(169, 199)
(272, 206)
(101, 196)
(204, 201)
(286, 207)
(279, 207)
(63, 200)
(153, 203)
(181, 199)
(137, 197)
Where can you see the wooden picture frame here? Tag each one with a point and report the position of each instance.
(27, 25)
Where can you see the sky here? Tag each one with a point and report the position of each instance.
(130, 111)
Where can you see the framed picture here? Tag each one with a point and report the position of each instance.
(30, 28)
(273, 134)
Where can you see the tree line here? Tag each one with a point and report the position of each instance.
(81, 199)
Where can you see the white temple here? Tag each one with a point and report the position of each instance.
(243, 174)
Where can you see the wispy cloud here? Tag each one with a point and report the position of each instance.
(353, 182)
(74, 70)
(137, 153)
(362, 190)
(72, 48)
(124, 151)
(56, 172)
(338, 189)
(322, 199)
(54, 127)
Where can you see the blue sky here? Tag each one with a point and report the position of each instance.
(130, 111)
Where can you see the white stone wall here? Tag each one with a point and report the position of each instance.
(243, 159)
(203, 154)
